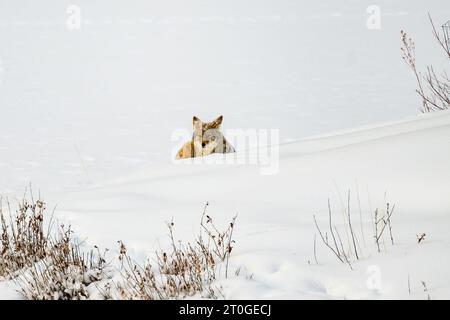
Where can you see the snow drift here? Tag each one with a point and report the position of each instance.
(405, 163)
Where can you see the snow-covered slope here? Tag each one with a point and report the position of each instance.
(405, 163)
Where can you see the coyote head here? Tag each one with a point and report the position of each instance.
(206, 132)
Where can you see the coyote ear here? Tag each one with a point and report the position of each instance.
(216, 123)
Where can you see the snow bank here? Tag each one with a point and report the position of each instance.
(405, 163)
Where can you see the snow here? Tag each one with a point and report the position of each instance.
(405, 160)
(87, 117)
(88, 105)
(8, 291)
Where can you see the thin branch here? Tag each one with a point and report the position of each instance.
(436, 34)
(315, 252)
(342, 247)
(350, 225)
(326, 241)
(331, 228)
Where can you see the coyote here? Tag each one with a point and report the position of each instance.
(206, 139)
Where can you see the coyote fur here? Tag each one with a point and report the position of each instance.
(206, 139)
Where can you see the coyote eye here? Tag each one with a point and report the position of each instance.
(203, 144)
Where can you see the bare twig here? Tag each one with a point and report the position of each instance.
(409, 56)
(315, 252)
(442, 42)
(331, 228)
(325, 241)
(350, 226)
(343, 252)
(389, 222)
(376, 229)
(409, 285)
(360, 216)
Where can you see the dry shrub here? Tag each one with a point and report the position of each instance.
(23, 238)
(433, 88)
(332, 240)
(45, 266)
(49, 265)
(65, 273)
(184, 270)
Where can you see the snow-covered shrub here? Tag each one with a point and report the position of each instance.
(24, 239)
(48, 265)
(65, 273)
(45, 266)
(184, 270)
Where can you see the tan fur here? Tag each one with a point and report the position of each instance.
(206, 139)
(191, 150)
